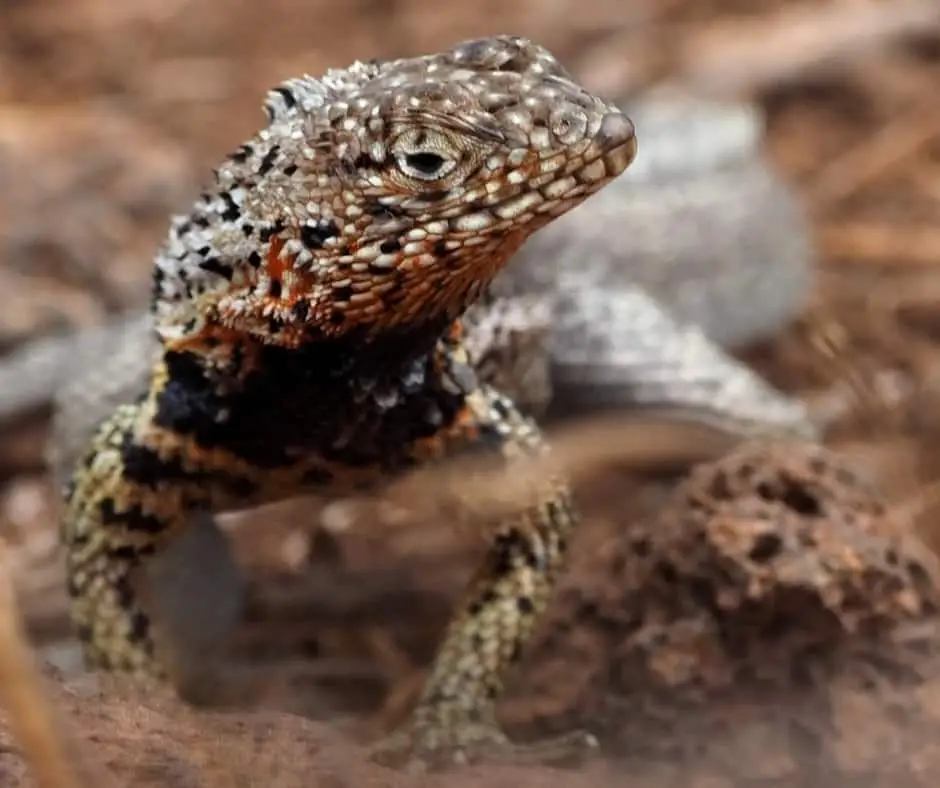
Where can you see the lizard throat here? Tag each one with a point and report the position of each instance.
(290, 306)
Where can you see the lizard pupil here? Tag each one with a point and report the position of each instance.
(425, 163)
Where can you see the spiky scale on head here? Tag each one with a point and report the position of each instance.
(386, 195)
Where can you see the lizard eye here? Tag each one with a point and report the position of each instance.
(425, 165)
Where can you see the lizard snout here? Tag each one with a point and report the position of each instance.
(616, 137)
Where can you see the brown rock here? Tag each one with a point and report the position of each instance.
(775, 621)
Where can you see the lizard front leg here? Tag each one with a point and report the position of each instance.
(454, 720)
(111, 524)
(131, 494)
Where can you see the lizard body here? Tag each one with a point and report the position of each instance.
(306, 315)
(698, 245)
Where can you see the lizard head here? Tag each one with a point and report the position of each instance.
(389, 194)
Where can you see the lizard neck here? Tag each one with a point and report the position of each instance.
(231, 359)
(327, 393)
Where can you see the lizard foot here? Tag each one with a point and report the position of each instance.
(424, 747)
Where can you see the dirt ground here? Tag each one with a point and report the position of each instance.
(768, 618)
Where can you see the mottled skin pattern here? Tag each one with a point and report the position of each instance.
(308, 314)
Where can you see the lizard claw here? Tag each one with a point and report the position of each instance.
(422, 748)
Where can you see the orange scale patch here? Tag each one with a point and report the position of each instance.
(463, 428)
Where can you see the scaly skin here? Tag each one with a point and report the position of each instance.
(308, 317)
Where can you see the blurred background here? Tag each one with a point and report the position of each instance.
(112, 114)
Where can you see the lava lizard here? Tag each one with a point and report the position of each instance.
(698, 245)
(308, 311)
(737, 270)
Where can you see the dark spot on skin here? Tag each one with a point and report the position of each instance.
(554, 509)
(501, 407)
(248, 229)
(122, 587)
(133, 519)
(265, 233)
(289, 100)
(313, 236)
(268, 161)
(201, 222)
(232, 211)
(435, 196)
(526, 606)
(375, 208)
(378, 270)
(440, 247)
(203, 251)
(242, 154)
(290, 169)
(140, 628)
(390, 246)
(363, 162)
(274, 288)
(215, 266)
(488, 598)
(310, 238)
(300, 310)
(254, 259)
(342, 293)
(510, 545)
